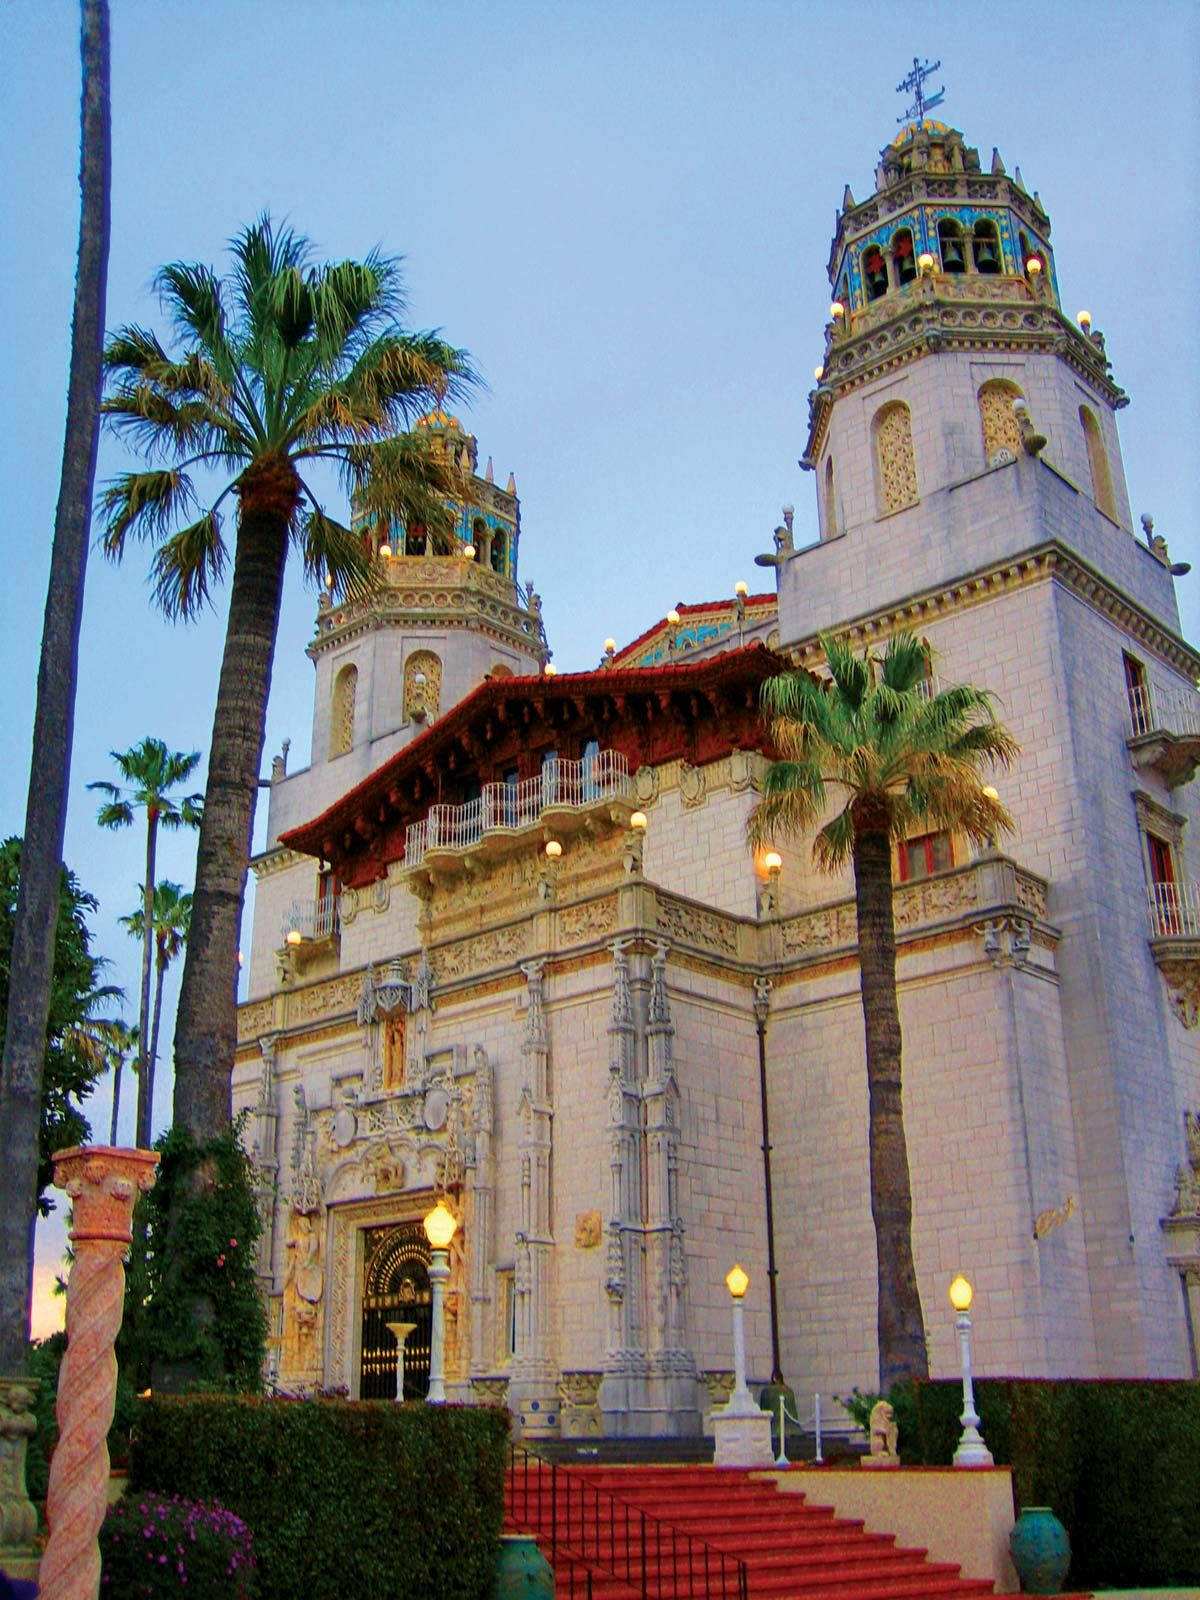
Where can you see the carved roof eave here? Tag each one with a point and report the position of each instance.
(277, 859)
(1044, 561)
(926, 332)
(498, 622)
(741, 669)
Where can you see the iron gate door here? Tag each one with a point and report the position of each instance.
(395, 1289)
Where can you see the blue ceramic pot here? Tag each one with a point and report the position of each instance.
(1041, 1550)
(522, 1572)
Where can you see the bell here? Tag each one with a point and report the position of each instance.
(875, 274)
(906, 268)
(986, 257)
(952, 256)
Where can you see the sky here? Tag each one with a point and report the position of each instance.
(623, 211)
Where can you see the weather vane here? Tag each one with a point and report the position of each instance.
(914, 84)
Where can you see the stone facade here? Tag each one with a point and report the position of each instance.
(563, 1041)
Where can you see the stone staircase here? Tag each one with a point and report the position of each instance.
(678, 1532)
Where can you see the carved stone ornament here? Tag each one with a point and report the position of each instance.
(693, 785)
(1186, 1203)
(1182, 977)
(646, 785)
(588, 1231)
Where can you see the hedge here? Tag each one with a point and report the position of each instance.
(370, 1500)
(1116, 1459)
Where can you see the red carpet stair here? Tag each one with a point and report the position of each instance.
(792, 1549)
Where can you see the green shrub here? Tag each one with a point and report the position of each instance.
(152, 1548)
(1115, 1459)
(370, 1500)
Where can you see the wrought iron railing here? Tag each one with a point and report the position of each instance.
(512, 806)
(1174, 910)
(577, 1521)
(1163, 711)
(312, 919)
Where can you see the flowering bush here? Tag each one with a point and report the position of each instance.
(157, 1545)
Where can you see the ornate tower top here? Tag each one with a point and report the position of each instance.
(943, 256)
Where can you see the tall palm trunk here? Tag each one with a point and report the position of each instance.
(145, 1077)
(902, 1350)
(32, 960)
(152, 1059)
(206, 1025)
(118, 1068)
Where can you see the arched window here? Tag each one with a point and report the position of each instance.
(985, 247)
(895, 464)
(904, 260)
(414, 540)
(830, 502)
(422, 686)
(479, 537)
(341, 720)
(1102, 489)
(950, 242)
(499, 553)
(874, 271)
(1001, 431)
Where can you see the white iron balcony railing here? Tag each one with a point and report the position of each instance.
(511, 806)
(1174, 910)
(1164, 711)
(312, 919)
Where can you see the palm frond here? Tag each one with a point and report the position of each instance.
(333, 552)
(191, 293)
(187, 565)
(904, 662)
(144, 504)
(851, 674)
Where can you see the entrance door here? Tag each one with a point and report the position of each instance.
(395, 1289)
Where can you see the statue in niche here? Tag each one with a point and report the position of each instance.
(393, 1050)
(303, 1289)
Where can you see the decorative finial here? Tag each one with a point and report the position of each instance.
(997, 164)
(847, 199)
(914, 84)
(489, 473)
(512, 483)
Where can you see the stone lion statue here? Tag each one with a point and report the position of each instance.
(884, 1435)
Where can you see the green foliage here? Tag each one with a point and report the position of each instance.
(370, 1500)
(192, 1297)
(858, 1406)
(152, 1547)
(77, 1052)
(45, 1358)
(1116, 1460)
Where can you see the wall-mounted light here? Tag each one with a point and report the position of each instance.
(553, 849)
(385, 551)
(926, 262)
(741, 588)
(469, 552)
(1033, 266)
(294, 936)
(1084, 319)
(549, 670)
(818, 373)
(639, 822)
(837, 310)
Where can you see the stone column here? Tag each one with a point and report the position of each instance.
(623, 1399)
(102, 1184)
(18, 1519)
(266, 1160)
(672, 1394)
(480, 1195)
(533, 1389)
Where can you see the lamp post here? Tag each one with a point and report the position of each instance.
(737, 1281)
(971, 1452)
(440, 1228)
(400, 1332)
(741, 1430)
(762, 1003)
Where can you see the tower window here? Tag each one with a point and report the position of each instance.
(919, 858)
(341, 721)
(499, 553)
(874, 272)
(422, 685)
(895, 464)
(1139, 695)
(904, 261)
(479, 538)
(1001, 431)
(830, 502)
(950, 242)
(985, 247)
(1102, 489)
(414, 540)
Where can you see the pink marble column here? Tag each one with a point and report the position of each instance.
(103, 1184)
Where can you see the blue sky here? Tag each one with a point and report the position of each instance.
(624, 212)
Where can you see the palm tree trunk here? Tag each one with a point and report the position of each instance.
(206, 1024)
(142, 1130)
(901, 1326)
(32, 959)
(118, 1068)
(152, 1058)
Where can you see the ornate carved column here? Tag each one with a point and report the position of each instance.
(533, 1390)
(480, 1195)
(103, 1184)
(1182, 1229)
(672, 1367)
(623, 1397)
(266, 1159)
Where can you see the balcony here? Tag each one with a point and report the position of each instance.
(560, 797)
(1166, 732)
(311, 921)
(1174, 910)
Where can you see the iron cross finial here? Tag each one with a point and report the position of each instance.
(914, 84)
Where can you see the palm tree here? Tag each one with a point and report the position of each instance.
(171, 919)
(886, 757)
(282, 366)
(46, 810)
(150, 772)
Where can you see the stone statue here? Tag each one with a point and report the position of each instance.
(884, 1435)
(303, 1289)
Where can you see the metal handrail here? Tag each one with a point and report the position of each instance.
(512, 806)
(621, 1540)
(313, 919)
(1163, 711)
(1174, 910)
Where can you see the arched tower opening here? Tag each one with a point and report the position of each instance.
(341, 720)
(1001, 431)
(895, 461)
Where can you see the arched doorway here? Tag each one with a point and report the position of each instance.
(395, 1289)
